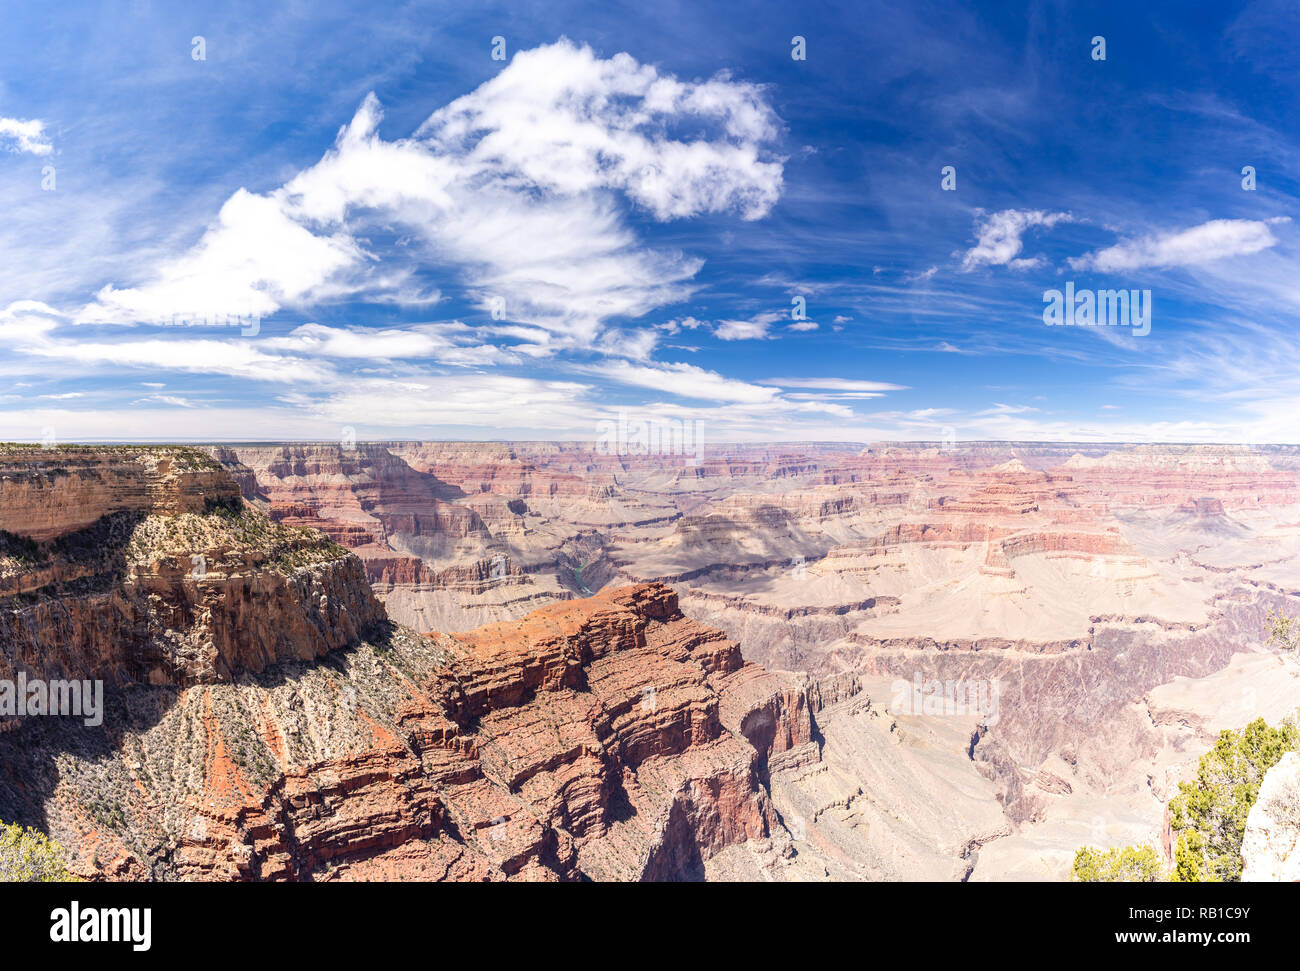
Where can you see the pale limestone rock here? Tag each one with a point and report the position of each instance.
(1271, 848)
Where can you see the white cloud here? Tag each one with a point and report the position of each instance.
(31, 328)
(230, 357)
(24, 136)
(26, 322)
(684, 380)
(521, 187)
(754, 329)
(636, 344)
(836, 384)
(1003, 409)
(676, 326)
(252, 261)
(564, 265)
(486, 401)
(562, 120)
(1212, 240)
(520, 191)
(443, 343)
(835, 395)
(998, 236)
(152, 421)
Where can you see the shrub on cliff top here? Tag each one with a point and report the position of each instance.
(1130, 864)
(29, 856)
(1208, 816)
(1283, 630)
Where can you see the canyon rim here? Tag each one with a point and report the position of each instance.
(840, 457)
(435, 661)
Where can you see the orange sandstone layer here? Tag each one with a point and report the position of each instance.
(607, 738)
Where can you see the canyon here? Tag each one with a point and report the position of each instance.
(540, 660)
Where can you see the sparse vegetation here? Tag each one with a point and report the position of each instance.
(1129, 864)
(1283, 630)
(232, 529)
(183, 458)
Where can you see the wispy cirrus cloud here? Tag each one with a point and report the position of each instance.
(836, 384)
(451, 343)
(684, 380)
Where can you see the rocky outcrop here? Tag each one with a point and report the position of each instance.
(166, 625)
(196, 588)
(609, 738)
(49, 492)
(1207, 477)
(1270, 849)
(438, 553)
(1076, 577)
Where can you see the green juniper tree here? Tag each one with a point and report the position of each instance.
(1208, 816)
(29, 856)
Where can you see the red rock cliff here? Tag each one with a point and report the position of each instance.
(608, 738)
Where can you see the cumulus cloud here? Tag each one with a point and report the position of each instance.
(521, 187)
(24, 136)
(525, 194)
(563, 120)
(1212, 240)
(252, 261)
(998, 237)
(754, 329)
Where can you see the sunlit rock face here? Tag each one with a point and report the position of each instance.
(147, 566)
(46, 493)
(609, 738)
(1270, 849)
(1079, 580)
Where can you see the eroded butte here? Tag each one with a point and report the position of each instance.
(537, 660)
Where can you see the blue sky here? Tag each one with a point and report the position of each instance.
(619, 217)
